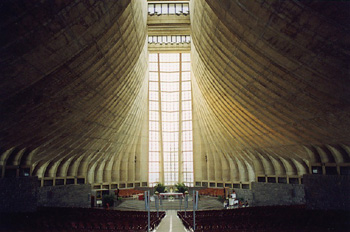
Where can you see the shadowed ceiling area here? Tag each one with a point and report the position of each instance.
(271, 83)
(73, 78)
(271, 91)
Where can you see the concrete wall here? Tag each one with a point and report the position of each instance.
(25, 195)
(246, 194)
(327, 192)
(262, 194)
(277, 194)
(18, 194)
(65, 196)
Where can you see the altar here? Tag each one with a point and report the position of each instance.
(166, 195)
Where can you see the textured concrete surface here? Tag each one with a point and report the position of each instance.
(25, 195)
(65, 196)
(18, 194)
(270, 89)
(327, 192)
(277, 194)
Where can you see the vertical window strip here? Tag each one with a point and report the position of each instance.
(165, 141)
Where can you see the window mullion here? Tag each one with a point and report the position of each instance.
(173, 163)
(180, 122)
(161, 158)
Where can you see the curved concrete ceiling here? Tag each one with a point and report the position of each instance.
(271, 80)
(73, 77)
(270, 90)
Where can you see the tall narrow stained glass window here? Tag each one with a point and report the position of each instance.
(170, 119)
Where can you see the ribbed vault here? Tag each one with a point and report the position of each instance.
(74, 87)
(270, 89)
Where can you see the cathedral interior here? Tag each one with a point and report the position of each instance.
(269, 97)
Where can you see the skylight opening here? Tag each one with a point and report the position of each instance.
(168, 9)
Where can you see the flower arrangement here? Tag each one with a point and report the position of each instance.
(181, 187)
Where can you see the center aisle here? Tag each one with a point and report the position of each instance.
(171, 223)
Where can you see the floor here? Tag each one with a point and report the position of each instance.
(171, 222)
(205, 203)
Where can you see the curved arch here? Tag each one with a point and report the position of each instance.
(94, 162)
(218, 167)
(301, 166)
(267, 164)
(91, 174)
(211, 165)
(40, 168)
(314, 157)
(62, 169)
(346, 149)
(225, 168)
(326, 156)
(27, 159)
(51, 169)
(131, 166)
(243, 172)
(109, 171)
(23, 160)
(82, 169)
(257, 164)
(291, 169)
(5, 155)
(17, 157)
(338, 153)
(115, 169)
(234, 169)
(73, 165)
(280, 169)
(123, 169)
(99, 171)
(10, 158)
(250, 170)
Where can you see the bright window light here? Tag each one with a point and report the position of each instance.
(170, 106)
